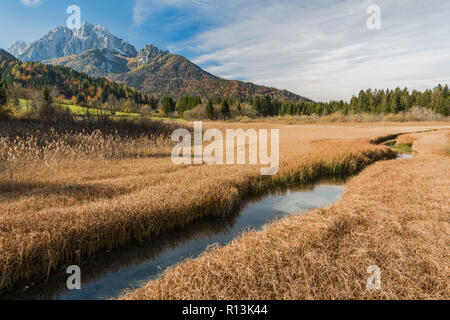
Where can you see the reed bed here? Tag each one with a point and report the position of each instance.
(394, 215)
(54, 147)
(71, 204)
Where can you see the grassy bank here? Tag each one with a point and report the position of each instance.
(25, 107)
(61, 209)
(64, 208)
(393, 215)
(404, 147)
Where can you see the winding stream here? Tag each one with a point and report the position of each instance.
(108, 274)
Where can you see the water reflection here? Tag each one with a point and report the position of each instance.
(405, 156)
(107, 274)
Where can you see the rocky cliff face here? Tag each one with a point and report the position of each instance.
(149, 53)
(18, 48)
(62, 42)
(94, 62)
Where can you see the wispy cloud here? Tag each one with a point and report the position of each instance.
(321, 49)
(31, 3)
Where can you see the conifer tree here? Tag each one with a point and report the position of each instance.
(225, 110)
(167, 105)
(210, 110)
(3, 94)
(440, 103)
(46, 110)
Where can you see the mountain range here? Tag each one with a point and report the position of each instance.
(62, 41)
(95, 51)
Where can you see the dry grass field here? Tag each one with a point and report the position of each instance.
(395, 215)
(69, 196)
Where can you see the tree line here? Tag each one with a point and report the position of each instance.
(72, 85)
(367, 101)
(97, 92)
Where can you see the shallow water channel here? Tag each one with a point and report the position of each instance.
(405, 156)
(108, 274)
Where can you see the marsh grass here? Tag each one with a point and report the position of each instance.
(393, 215)
(28, 143)
(65, 195)
(69, 240)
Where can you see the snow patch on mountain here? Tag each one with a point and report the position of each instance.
(63, 42)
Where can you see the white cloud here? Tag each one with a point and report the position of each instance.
(321, 49)
(31, 3)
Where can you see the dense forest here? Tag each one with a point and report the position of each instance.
(368, 101)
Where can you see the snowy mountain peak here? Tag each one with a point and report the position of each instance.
(62, 42)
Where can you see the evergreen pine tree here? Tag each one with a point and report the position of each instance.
(384, 103)
(266, 106)
(3, 94)
(354, 104)
(81, 99)
(167, 105)
(46, 110)
(395, 100)
(363, 102)
(225, 110)
(210, 110)
(440, 105)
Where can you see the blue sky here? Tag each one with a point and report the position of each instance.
(321, 49)
(30, 22)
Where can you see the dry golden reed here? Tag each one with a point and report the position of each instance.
(394, 215)
(65, 204)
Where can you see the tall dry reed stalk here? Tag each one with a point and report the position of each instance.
(394, 215)
(60, 211)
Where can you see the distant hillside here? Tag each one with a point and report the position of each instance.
(69, 83)
(177, 76)
(95, 51)
(161, 73)
(5, 56)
